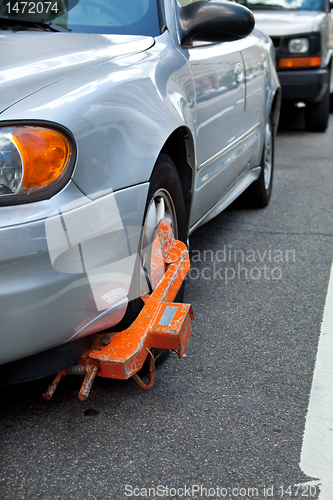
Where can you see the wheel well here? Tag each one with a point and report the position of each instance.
(180, 148)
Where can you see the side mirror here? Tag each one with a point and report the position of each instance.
(213, 21)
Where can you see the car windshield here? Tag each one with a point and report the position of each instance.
(127, 17)
(283, 4)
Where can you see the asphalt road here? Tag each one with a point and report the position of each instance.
(228, 421)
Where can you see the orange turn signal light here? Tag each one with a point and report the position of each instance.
(299, 62)
(45, 154)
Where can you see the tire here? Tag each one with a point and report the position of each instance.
(165, 199)
(259, 193)
(317, 114)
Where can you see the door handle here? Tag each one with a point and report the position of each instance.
(239, 73)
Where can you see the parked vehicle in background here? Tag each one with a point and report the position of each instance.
(302, 33)
(115, 114)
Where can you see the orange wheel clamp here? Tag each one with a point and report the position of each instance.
(161, 323)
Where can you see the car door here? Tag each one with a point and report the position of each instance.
(218, 73)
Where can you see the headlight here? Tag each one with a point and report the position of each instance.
(298, 46)
(33, 160)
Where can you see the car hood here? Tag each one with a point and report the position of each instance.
(284, 23)
(33, 60)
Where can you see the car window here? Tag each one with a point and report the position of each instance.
(129, 17)
(284, 4)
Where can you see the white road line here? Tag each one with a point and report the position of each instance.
(317, 450)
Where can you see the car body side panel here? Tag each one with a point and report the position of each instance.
(220, 106)
(220, 99)
(238, 138)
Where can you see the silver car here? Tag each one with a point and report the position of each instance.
(114, 115)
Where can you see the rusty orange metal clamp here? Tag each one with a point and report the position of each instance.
(161, 323)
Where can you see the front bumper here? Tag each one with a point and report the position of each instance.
(66, 265)
(304, 85)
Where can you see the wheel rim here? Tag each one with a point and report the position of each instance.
(268, 157)
(160, 207)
